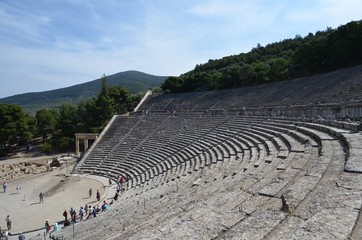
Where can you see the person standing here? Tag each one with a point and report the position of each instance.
(8, 222)
(71, 211)
(90, 212)
(115, 196)
(94, 212)
(41, 197)
(86, 210)
(18, 188)
(90, 192)
(65, 215)
(81, 213)
(4, 186)
(74, 217)
(98, 195)
(47, 226)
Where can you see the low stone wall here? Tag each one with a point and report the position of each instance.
(10, 171)
(326, 111)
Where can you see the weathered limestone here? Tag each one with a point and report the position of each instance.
(215, 165)
(216, 202)
(354, 161)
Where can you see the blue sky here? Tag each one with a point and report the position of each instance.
(49, 44)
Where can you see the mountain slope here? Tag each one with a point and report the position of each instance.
(317, 53)
(134, 81)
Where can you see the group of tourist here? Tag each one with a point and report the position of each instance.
(87, 212)
(71, 216)
(84, 213)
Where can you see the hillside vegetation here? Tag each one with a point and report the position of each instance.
(57, 127)
(133, 81)
(291, 58)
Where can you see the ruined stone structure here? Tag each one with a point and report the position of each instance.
(85, 137)
(280, 161)
(9, 171)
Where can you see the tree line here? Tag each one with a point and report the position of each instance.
(57, 127)
(291, 58)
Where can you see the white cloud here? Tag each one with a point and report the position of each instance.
(60, 43)
(18, 25)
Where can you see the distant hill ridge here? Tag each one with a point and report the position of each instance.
(133, 81)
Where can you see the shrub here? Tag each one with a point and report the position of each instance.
(46, 148)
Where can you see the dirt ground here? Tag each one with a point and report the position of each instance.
(62, 191)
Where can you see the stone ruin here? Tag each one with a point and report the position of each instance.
(12, 170)
(281, 161)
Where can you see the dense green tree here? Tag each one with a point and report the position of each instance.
(46, 123)
(344, 46)
(134, 99)
(231, 76)
(199, 81)
(31, 129)
(104, 104)
(94, 113)
(261, 71)
(16, 127)
(173, 84)
(89, 116)
(215, 80)
(86, 116)
(67, 123)
(315, 53)
(279, 69)
(66, 126)
(120, 99)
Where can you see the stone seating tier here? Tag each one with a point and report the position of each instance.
(241, 166)
(216, 143)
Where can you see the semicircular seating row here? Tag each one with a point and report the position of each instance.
(143, 147)
(339, 87)
(245, 165)
(263, 158)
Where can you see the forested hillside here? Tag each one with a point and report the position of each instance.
(133, 81)
(57, 126)
(323, 51)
